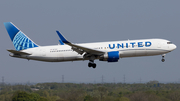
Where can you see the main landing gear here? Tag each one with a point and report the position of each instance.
(163, 58)
(91, 64)
(91, 61)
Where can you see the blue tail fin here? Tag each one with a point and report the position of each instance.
(19, 39)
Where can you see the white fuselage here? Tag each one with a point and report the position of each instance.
(128, 48)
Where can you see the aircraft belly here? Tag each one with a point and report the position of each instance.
(156, 52)
(140, 52)
(41, 58)
(127, 53)
(70, 56)
(60, 57)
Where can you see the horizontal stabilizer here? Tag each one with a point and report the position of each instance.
(18, 52)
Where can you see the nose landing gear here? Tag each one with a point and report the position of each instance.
(163, 58)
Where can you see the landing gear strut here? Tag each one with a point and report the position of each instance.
(91, 64)
(163, 58)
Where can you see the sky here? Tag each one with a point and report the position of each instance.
(82, 21)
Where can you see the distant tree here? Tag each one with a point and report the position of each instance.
(42, 99)
(21, 96)
(24, 96)
(138, 96)
(144, 96)
(122, 99)
(175, 96)
(35, 96)
(102, 91)
(54, 86)
(88, 98)
(75, 95)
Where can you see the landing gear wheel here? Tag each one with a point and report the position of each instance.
(89, 64)
(163, 60)
(94, 65)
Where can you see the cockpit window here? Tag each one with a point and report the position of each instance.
(169, 43)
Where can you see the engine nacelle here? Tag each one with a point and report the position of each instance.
(110, 56)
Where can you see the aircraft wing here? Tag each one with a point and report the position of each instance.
(18, 52)
(79, 49)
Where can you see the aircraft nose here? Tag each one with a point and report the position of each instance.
(174, 47)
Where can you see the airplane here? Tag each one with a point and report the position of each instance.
(110, 51)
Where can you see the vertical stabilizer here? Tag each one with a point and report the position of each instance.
(19, 39)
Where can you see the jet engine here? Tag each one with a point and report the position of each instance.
(110, 56)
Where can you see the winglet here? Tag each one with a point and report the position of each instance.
(64, 40)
